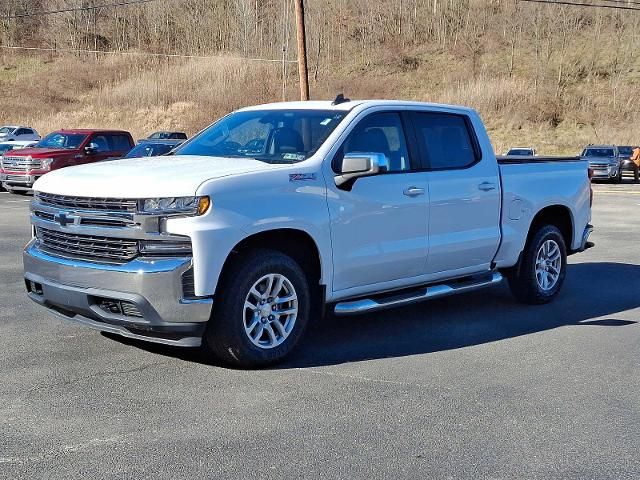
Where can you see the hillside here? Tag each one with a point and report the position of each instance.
(548, 76)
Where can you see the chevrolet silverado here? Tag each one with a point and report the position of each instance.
(247, 231)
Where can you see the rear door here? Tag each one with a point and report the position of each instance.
(464, 191)
(379, 225)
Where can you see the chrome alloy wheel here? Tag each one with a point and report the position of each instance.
(548, 265)
(270, 311)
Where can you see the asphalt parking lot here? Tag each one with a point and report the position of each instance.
(475, 386)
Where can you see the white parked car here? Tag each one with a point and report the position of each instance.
(236, 240)
(12, 133)
(8, 146)
(522, 152)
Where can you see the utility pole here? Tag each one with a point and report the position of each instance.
(302, 51)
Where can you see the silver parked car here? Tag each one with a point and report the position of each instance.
(604, 161)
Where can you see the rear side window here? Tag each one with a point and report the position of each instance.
(119, 143)
(179, 136)
(445, 139)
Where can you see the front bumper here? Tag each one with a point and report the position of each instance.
(18, 181)
(141, 299)
(608, 173)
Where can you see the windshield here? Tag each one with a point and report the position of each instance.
(6, 130)
(272, 136)
(148, 150)
(520, 151)
(599, 152)
(67, 141)
(5, 148)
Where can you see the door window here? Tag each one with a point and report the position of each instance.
(445, 140)
(101, 144)
(379, 133)
(119, 143)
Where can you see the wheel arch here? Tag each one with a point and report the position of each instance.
(559, 216)
(296, 243)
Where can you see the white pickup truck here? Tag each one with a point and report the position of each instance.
(244, 233)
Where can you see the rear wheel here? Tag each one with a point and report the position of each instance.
(542, 269)
(261, 311)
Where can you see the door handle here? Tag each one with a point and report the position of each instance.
(487, 186)
(413, 191)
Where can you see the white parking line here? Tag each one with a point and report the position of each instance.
(613, 192)
(18, 201)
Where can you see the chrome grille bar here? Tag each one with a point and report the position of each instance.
(88, 203)
(20, 164)
(87, 246)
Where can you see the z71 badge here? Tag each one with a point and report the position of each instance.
(301, 177)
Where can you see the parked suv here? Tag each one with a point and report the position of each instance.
(604, 162)
(10, 133)
(64, 148)
(522, 152)
(155, 136)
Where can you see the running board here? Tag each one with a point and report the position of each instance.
(423, 293)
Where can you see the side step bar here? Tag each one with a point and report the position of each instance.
(423, 293)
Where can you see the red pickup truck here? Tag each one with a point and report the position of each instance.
(19, 169)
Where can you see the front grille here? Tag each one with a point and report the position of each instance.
(20, 164)
(599, 165)
(16, 178)
(87, 246)
(88, 203)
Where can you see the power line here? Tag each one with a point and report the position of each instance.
(76, 9)
(146, 54)
(581, 4)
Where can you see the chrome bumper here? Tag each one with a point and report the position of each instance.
(151, 288)
(17, 180)
(585, 244)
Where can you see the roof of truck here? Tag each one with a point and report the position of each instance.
(348, 105)
(91, 130)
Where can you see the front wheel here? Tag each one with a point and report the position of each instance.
(542, 269)
(618, 178)
(261, 310)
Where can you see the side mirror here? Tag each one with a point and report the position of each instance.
(357, 165)
(91, 149)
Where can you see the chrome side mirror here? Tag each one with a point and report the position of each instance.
(357, 165)
(91, 148)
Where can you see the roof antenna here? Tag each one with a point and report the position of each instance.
(340, 99)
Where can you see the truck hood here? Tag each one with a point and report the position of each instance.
(41, 152)
(166, 176)
(612, 160)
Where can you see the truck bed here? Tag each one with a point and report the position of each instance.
(531, 184)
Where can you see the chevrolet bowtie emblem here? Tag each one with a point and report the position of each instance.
(66, 218)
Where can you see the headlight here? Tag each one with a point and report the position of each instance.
(46, 163)
(176, 205)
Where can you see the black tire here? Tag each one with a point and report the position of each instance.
(618, 178)
(225, 337)
(523, 280)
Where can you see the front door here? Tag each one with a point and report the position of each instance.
(379, 226)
